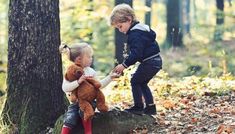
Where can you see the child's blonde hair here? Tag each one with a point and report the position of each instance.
(122, 13)
(75, 50)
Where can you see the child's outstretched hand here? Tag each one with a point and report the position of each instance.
(114, 75)
(119, 69)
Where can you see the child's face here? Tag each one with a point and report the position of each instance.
(87, 60)
(123, 27)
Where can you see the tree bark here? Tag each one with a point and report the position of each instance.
(34, 95)
(120, 38)
(219, 29)
(148, 3)
(174, 24)
(220, 12)
(186, 17)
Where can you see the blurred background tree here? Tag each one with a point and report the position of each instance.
(119, 38)
(174, 37)
(218, 35)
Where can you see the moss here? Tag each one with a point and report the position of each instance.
(58, 125)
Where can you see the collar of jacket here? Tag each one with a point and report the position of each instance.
(133, 24)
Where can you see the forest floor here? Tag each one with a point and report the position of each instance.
(209, 113)
(192, 105)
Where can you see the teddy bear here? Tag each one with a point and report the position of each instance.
(86, 92)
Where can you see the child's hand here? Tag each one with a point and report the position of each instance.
(114, 75)
(119, 69)
(81, 79)
(89, 76)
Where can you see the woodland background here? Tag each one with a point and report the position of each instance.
(194, 92)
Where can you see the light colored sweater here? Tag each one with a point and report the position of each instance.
(68, 87)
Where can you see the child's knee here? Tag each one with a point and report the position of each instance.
(70, 126)
(135, 80)
(71, 119)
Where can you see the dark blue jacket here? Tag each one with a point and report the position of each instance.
(141, 42)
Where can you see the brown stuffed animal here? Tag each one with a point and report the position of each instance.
(86, 92)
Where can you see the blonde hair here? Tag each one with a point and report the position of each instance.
(122, 13)
(75, 50)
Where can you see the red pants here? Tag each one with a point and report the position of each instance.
(86, 124)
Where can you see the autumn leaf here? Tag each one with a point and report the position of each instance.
(215, 110)
(184, 101)
(225, 129)
(168, 104)
(194, 120)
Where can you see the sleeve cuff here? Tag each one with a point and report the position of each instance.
(124, 65)
(104, 82)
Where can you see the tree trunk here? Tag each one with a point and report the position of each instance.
(148, 3)
(219, 20)
(194, 12)
(174, 24)
(186, 17)
(34, 95)
(120, 38)
(220, 12)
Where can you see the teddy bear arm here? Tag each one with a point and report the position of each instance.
(94, 82)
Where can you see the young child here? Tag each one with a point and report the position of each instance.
(144, 49)
(83, 53)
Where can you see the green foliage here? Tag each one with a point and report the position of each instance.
(3, 32)
(4, 128)
(103, 46)
(58, 125)
(200, 59)
(2, 83)
(86, 21)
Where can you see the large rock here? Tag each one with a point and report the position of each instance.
(112, 122)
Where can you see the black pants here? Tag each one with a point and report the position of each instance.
(141, 78)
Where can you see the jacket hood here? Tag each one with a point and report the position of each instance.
(145, 28)
(141, 27)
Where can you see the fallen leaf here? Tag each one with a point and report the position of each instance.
(224, 129)
(168, 104)
(210, 94)
(215, 110)
(184, 101)
(194, 120)
(162, 114)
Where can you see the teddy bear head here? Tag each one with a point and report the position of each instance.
(74, 72)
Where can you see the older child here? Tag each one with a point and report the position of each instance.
(83, 53)
(144, 49)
